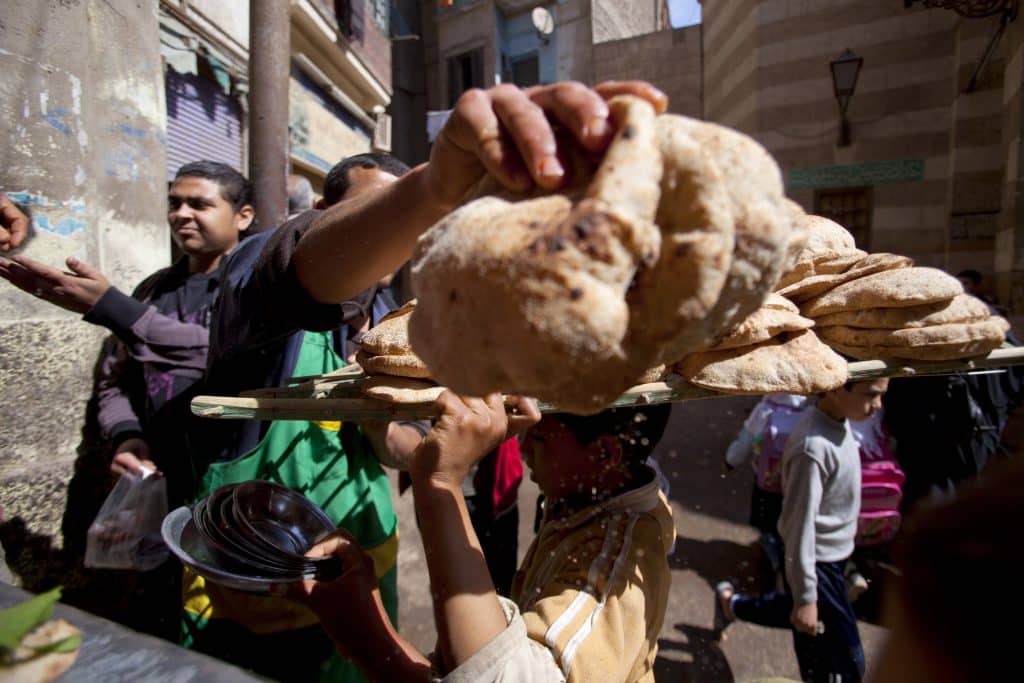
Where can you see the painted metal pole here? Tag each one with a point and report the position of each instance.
(269, 67)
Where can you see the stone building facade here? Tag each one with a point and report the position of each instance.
(340, 83)
(669, 58)
(102, 101)
(82, 129)
(479, 43)
(931, 168)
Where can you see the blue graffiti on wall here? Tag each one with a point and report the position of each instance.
(56, 119)
(50, 215)
(123, 161)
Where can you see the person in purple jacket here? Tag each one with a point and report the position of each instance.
(157, 352)
(161, 329)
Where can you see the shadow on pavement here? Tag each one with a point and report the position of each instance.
(697, 657)
(717, 560)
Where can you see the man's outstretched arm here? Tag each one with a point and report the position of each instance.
(503, 132)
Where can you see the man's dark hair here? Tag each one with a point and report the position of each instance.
(638, 429)
(337, 183)
(971, 274)
(235, 188)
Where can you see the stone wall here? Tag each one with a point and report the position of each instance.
(927, 152)
(81, 126)
(669, 59)
(616, 20)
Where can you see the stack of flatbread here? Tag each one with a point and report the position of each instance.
(828, 259)
(912, 313)
(772, 350)
(397, 374)
(869, 306)
(678, 236)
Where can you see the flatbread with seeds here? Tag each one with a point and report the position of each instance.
(780, 303)
(829, 263)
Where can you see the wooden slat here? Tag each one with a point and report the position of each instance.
(298, 403)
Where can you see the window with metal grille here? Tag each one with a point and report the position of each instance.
(851, 208)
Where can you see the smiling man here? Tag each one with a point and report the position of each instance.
(162, 326)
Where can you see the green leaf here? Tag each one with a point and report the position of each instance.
(16, 621)
(69, 644)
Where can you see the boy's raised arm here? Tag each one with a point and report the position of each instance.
(466, 607)
(503, 131)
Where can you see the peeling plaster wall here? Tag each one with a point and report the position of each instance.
(82, 137)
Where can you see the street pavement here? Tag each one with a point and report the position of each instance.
(714, 543)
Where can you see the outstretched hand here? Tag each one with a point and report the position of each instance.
(468, 429)
(13, 224)
(76, 291)
(508, 133)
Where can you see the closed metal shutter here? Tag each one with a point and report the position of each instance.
(202, 123)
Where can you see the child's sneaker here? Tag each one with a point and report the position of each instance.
(856, 584)
(724, 593)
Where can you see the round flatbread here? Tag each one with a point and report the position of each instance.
(762, 325)
(408, 365)
(887, 289)
(781, 303)
(826, 244)
(35, 659)
(764, 220)
(391, 335)
(993, 330)
(962, 308)
(529, 297)
(670, 300)
(654, 374)
(828, 263)
(797, 363)
(934, 352)
(815, 285)
(401, 389)
(825, 235)
(798, 236)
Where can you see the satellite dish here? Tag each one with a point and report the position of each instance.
(543, 21)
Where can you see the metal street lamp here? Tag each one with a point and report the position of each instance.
(845, 69)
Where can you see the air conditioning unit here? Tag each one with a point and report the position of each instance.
(382, 133)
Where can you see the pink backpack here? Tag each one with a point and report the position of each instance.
(881, 491)
(771, 442)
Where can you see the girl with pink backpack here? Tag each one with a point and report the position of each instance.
(762, 440)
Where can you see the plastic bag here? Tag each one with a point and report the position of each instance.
(126, 531)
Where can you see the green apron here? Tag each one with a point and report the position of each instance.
(334, 466)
